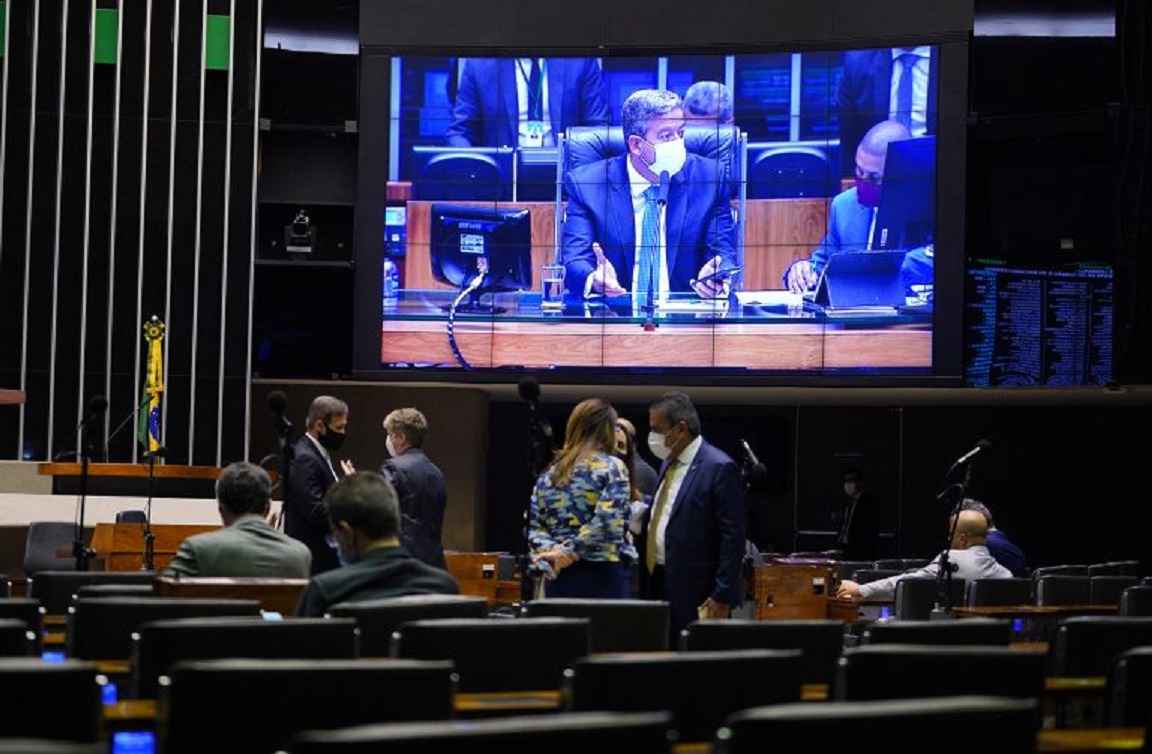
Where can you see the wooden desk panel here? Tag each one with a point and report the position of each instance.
(121, 546)
(275, 595)
(599, 343)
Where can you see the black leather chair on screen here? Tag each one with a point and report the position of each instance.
(941, 725)
(377, 619)
(559, 733)
(296, 695)
(56, 700)
(615, 625)
(158, 645)
(990, 631)
(699, 688)
(491, 654)
(101, 628)
(819, 640)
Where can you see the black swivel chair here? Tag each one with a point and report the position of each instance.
(557, 733)
(1128, 688)
(790, 172)
(699, 688)
(915, 598)
(998, 592)
(1136, 601)
(1106, 589)
(16, 640)
(297, 695)
(615, 625)
(942, 725)
(43, 545)
(1062, 589)
(1086, 645)
(991, 631)
(55, 589)
(29, 612)
(377, 619)
(819, 640)
(56, 700)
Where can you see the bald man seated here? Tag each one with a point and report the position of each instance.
(968, 555)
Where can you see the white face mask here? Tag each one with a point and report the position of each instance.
(657, 446)
(670, 156)
(850, 489)
(390, 447)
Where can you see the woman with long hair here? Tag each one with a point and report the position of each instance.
(578, 520)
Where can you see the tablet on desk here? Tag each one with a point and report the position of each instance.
(861, 282)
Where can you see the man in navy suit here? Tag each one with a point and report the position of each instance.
(311, 473)
(873, 87)
(693, 539)
(615, 227)
(525, 101)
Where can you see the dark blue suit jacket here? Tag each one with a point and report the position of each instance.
(704, 542)
(486, 110)
(698, 215)
(863, 95)
(305, 514)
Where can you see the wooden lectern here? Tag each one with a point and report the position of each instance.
(121, 546)
(478, 574)
(791, 588)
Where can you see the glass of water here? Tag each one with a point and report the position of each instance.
(552, 287)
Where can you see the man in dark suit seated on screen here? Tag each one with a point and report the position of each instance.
(525, 101)
(614, 224)
(853, 212)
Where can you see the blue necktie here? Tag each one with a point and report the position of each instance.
(904, 89)
(649, 247)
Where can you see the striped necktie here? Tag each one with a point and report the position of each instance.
(649, 247)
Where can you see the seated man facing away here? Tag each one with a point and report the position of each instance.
(968, 556)
(1006, 552)
(364, 514)
(247, 545)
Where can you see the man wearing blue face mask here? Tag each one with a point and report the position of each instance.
(693, 542)
(625, 233)
(311, 473)
(853, 212)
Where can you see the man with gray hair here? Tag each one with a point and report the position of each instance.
(364, 516)
(652, 221)
(311, 473)
(1006, 552)
(247, 545)
(708, 104)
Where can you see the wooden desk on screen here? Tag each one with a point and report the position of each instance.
(275, 595)
(121, 546)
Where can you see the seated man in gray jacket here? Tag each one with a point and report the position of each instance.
(247, 545)
(968, 556)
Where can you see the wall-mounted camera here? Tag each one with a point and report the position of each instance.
(300, 235)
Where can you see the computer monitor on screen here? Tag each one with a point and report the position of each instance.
(481, 250)
(462, 174)
(906, 216)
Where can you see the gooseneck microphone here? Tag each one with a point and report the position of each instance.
(756, 470)
(981, 447)
(278, 404)
(529, 388)
(662, 196)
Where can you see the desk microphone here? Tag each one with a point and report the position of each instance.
(662, 196)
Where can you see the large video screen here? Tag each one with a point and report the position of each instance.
(755, 214)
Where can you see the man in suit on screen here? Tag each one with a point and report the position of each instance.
(625, 234)
(525, 102)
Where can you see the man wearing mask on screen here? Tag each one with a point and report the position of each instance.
(312, 472)
(853, 213)
(627, 231)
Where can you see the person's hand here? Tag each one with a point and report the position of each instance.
(558, 557)
(848, 590)
(604, 276)
(713, 610)
(800, 276)
(714, 288)
(347, 467)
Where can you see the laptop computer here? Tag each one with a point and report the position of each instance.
(861, 282)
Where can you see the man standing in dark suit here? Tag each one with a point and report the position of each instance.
(857, 520)
(615, 226)
(311, 473)
(419, 485)
(891, 83)
(525, 101)
(693, 533)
